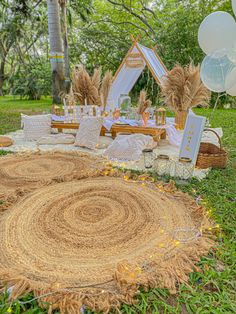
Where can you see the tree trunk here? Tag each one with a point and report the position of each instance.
(2, 75)
(65, 44)
(56, 50)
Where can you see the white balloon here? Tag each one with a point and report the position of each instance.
(232, 55)
(217, 31)
(215, 68)
(234, 6)
(230, 83)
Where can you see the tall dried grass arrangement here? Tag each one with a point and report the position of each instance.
(96, 78)
(183, 89)
(143, 102)
(84, 87)
(105, 88)
(70, 98)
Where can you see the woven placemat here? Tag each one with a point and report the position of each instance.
(95, 241)
(21, 173)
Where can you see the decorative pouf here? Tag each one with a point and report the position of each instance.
(5, 141)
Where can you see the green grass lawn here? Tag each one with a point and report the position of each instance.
(10, 110)
(212, 290)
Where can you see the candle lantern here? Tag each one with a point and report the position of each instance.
(162, 165)
(57, 110)
(184, 168)
(148, 155)
(160, 116)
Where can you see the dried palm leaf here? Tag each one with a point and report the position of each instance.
(182, 88)
(96, 78)
(105, 88)
(83, 87)
(69, 99)
(143, 103)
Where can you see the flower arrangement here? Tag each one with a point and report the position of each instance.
(105, 88)
(86, 89)
(143, 102)
(183, 89)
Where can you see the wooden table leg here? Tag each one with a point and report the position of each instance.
(113, 134)
(163, 135)
(103, 132)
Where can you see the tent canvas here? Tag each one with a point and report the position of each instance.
(137, 58)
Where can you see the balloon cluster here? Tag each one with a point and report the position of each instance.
(217, 38)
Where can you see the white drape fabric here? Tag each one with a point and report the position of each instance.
(153, 61)
(123, 83)
(127, 77)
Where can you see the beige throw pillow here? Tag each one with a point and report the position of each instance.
(36, 126)
(88, 132)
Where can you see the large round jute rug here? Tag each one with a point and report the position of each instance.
(23, 172)
(95, 241)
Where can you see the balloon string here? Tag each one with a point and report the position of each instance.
(216, 103)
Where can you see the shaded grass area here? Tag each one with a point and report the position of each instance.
(212, 291)
(11, 108)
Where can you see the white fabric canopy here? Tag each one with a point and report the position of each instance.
(126, 76)
(153, 62)
(124, 81)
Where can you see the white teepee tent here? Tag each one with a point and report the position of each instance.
(137, 58)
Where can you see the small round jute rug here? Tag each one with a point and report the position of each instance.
(95, 241)
(21, 173)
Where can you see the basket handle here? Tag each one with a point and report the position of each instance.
(219, 139)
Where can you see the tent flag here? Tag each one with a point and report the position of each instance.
(137, 58)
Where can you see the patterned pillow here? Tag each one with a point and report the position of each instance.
(36, 126)
(88, 132)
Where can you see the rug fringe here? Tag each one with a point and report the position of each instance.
(128, 279)
(150, 272)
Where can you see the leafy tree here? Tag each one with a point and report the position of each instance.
(33, 80)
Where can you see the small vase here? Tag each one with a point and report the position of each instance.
(180, 119)
(116, 114)
(145, 116)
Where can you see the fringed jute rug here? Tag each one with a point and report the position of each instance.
(22, 173)
(94, 242)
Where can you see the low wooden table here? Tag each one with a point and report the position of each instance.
(156, 133)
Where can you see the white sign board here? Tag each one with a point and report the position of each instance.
(192, 137)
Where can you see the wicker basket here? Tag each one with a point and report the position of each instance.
(211, 155)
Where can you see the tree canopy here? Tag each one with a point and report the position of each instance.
(98, 35)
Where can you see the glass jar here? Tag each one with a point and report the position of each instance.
(184, 168)
(148, 158)
(162, 165)
(124, 103)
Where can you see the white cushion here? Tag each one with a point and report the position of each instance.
(36, 126)
(104, 142)
(128, 147)
(88, 132)
(54, 139)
